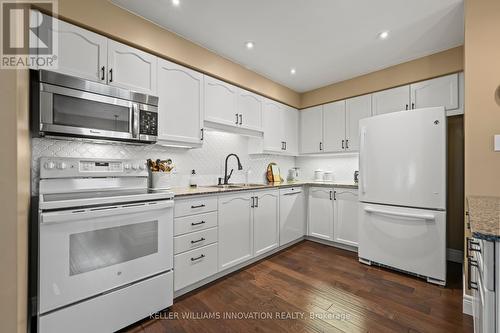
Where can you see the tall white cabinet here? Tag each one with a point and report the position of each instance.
(180, 109)
(345, 221)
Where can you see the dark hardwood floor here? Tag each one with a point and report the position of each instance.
(312, 287)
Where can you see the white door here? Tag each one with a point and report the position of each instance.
(250, 109)
(273, 126)
(311, 130)
(221, 102)
(131, 68)
(235, 229)
(292, 215)
(321, 212)
(291, 130)
(357, 108)
(441, 91)
(345, 221)
(391, 100)
(408, 239)
(180, 109)
(81, 53)
(403, 159)
(266, 221)
(334, 127)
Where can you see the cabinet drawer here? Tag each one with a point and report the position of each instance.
(194, 240)
(195, 265)
(183, 225)
(195, 206)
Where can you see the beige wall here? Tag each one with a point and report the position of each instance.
(482, 96)
(105, 18)
(437, 64)
(14, 199)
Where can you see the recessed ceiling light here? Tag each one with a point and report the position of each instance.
(176, 2)
(293, 71)
(249, 45)
(383, 35)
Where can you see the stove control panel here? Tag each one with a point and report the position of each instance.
(55, 167)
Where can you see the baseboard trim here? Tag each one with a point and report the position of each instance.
(330, 243)
(454, 255)
(467, 305)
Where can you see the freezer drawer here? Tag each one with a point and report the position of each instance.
(409, 239)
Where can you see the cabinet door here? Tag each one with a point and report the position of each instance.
(131, 68)
(221, 102)
(321, 212)
(345, 226)
(250, 109)
(292, 215)
(311, 130)
(291, 130)
(357, 108)
(273, 126)
(235, 229)
(81, 53)
(391, 100)
(180, 109)
(266, 221)
(441, 91)
(334, 127)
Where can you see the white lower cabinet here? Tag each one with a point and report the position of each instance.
(193, 266)
(266, 221)
(235, 229)
(345, 221)
(321, 212)
(292, 214)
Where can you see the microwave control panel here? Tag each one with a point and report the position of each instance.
(148, 123)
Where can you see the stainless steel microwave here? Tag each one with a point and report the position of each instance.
(64, 105)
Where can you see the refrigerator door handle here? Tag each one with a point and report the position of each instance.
(363, 160)
(427, 217)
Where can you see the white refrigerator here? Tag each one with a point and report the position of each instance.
(402, 192)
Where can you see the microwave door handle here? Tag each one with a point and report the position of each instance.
(135, 120)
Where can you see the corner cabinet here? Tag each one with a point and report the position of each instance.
(320, 217)
(391, 100)
(345, 221)
(444, 91)
(180, 109)
(311, 133)
(266, 221)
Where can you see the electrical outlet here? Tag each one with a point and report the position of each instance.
(497, 143)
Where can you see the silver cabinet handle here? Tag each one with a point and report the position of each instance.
(202, 134)
(241, 119)
(198, 258)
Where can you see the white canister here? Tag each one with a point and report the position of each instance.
(318, 175)
(328, 176)
(161, 180)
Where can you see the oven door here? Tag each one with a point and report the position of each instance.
(80, 113)
(86, 252)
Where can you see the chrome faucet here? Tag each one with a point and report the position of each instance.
(226, 176)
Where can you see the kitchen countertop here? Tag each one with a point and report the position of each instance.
(189, 191)
(484, 217)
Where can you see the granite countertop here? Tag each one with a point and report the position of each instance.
(484, 217)
(188, 191)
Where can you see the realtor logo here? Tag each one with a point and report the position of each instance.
(28, 38)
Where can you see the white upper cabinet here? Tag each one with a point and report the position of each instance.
(81, 53)
(180, 109)
(250, 110)
(357, 108)
(441, 91)
(311, 130)
(345, 224)
(321, 212)
(266, 221)
(221, 102)
(272, 125)
(391, 100)
(131, 68)
(235, 229)
(290, 118)
(334, 127)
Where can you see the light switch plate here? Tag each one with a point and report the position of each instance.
(497, 142)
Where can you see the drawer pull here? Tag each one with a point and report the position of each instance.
(198, 258)
(199, 206)
(197, 241)
(197, 223)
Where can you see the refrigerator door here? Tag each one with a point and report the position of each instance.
(408, 239)
(403, 159)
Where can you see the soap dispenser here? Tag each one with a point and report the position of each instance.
(193, 180)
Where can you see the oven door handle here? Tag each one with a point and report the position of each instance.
(97, 212)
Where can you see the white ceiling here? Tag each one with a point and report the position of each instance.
(325, 40)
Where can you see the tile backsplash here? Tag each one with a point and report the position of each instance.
(208, 161)
(341, 165)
